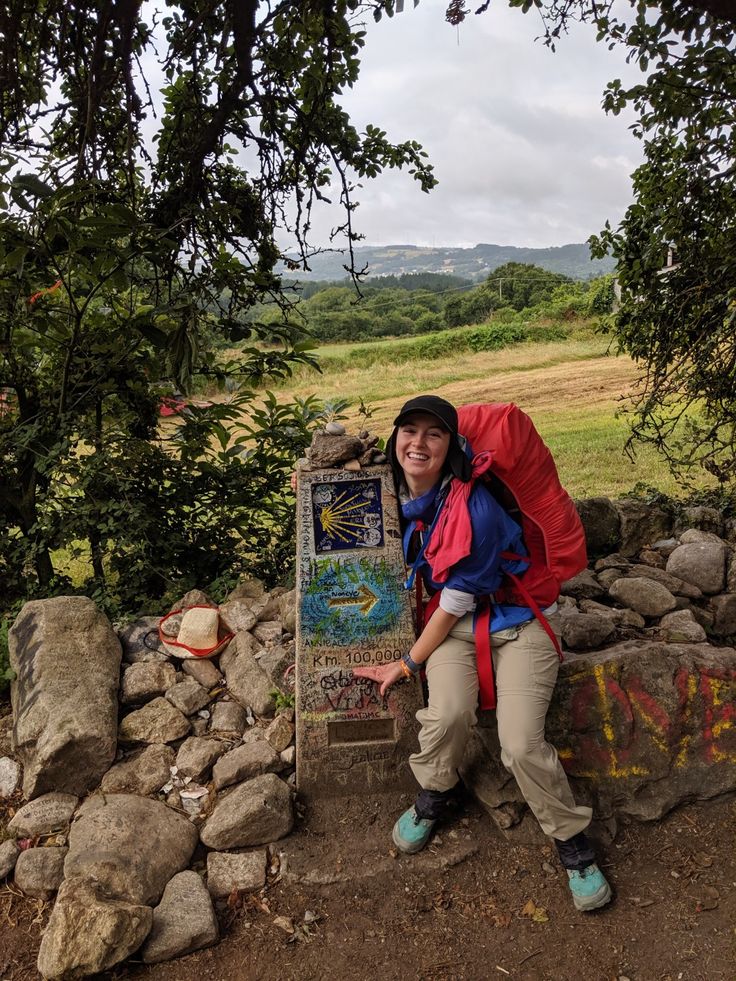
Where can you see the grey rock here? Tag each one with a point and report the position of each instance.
(200, 727)
(275, 661)
(581, 631)
(248, 684)
(203, 671)
(644, 596)
(235, 871)
(246, 761)
(701, 563)
(268, 632)
(9, 852)
(238, 614)
(288, 756)
(681, 627)
(700, 518)
(330, 451)
(184, 920)
(197, 755)
(641, 524)
(622, 618)
(253, 813)
(52, 812)
(280, 733)
(731, 574)
(704, 617)
(131, 846)
(156, 722)
(249, 587)
(195, 597)
(652, 558)
(613, 561)
(188, 696)
(141, 643)
(697, 535)
(40, 871)
(609, 576)
(583, 586)
(287, 611)
(724, 614)
(335, 429)
(66, 658)
(676, 586)
(9, 776)
(602, 524)
(144, 772)
(146, 680)
(89, 932)
(228, 717)
(666, 546)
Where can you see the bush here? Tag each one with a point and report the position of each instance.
(493, 337)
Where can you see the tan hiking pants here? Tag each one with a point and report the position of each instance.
(526, 672)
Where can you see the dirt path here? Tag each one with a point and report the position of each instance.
(474, 906)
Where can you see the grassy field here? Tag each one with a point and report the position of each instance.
(575, 391)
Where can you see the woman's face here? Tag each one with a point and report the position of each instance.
(421, 449)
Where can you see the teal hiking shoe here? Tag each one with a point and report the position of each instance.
(411, 833)
(589, 888)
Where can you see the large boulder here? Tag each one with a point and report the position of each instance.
(701, 563)
(131, 846)
(66, 658)
(183, 921)
(89, 932)
(156, 722)
(246, 681)
(144, 772)
(639, 727)
(641, 524)
(253, 813)
(39, 871)
(602, 525)
(643, 595)
(52, 812)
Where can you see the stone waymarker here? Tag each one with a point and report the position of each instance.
(352, 611)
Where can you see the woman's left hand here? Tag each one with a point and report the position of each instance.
(383, 674)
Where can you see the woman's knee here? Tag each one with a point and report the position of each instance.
(518, 747)
(451, 717)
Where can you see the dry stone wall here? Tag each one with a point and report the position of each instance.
(155, 786)
(201, 754)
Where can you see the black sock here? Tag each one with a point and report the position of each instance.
(576, 853)
(432, 804)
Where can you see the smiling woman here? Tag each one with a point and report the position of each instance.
(462, 544)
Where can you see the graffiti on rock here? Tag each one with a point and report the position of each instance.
(616, 725)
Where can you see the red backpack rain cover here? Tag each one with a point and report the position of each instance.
(531, 493)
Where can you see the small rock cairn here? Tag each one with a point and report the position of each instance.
(332, 446)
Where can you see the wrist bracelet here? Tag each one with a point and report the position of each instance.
(411, 664)
(405, 670)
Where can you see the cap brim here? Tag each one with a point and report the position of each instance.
(403, 416)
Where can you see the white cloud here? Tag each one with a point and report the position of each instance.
(520, 144)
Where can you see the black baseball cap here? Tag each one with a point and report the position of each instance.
(431, 405)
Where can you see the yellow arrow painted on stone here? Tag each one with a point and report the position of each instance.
(365, 600)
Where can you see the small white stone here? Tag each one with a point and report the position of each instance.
(335, 429)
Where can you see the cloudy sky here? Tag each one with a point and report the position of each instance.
(522, 149)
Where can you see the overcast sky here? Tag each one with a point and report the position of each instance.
(520, 144)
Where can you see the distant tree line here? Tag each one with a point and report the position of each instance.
(423, 303)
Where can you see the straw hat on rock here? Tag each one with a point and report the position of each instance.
(202, 632)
